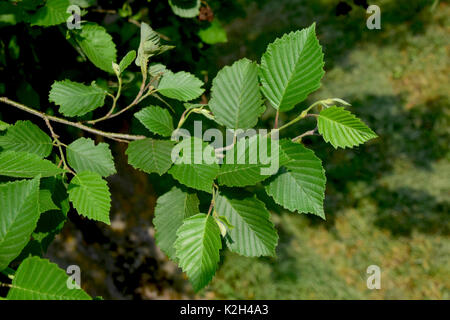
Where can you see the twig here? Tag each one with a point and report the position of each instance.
(139, 97)
(131, 105)
(163, 101)
(134, 22)
(6, 285)
(59, 145)
(211, 206)
(213, 200)
(100, 10)
(115, 98)
(114, 136)
(307, 133)
(276, 119)
(219, 151)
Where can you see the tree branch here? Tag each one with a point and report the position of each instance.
(114, 136)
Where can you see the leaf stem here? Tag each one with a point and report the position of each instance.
(114, 136)
(6, 285)
(136, 100)
(59, 145)
(307, 133)
(276, 119)
(213, 200)
(115, 98)
(301, 116)
(139, 97)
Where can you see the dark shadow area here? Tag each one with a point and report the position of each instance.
(404, 210)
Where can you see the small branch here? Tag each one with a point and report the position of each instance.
(131, 105)
(136, 100)
(114, 136)
(213, 200)
(59, 145)
(219, 151)
(6, 285)
(183, 118)
(307, 133)
(115, 98)
(163, 101)
(276, 119)
(211, 206)
(301, 116)
(136, 23)
(100, 10)
(188, 112)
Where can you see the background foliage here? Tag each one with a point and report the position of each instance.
(386, 202)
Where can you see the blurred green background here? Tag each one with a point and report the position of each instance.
(387, 202)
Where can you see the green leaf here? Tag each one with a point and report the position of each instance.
(98, 46)
(301, 186)
(84, 3)
(150, 155)
(45, 201)
(292, 68)
(90, 196)
(50, 223)
(28, 137)
(4, 125)
(19, 214)
(157, 69)
(188, 105)
(39, 279)
(76, 99)
(236, 100)
(243, 164)
(342, 129)
(127, 60)
(215, 33)
(181, 86)
(156, 119)
(225, 221)
(185, 8)
(26, 165)
(58, 189)
(149, 46)
(253, 234)
(171, 209)
(52, 13)
(84, 155)
(197, 247)
(196, 167)
(54, 206)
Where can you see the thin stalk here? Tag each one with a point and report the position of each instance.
(113, 107)
(307, 133)
(301, 116)
(59, 145)
(213, 200)
(114, 136)
(276, 119)
(135, 101)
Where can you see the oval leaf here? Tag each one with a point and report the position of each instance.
(236, 101)
(292, 68)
